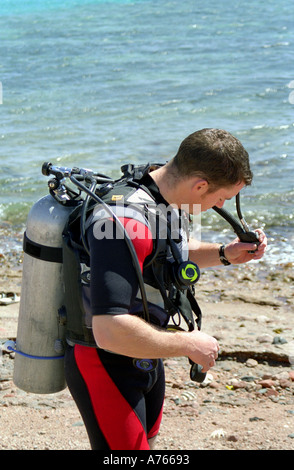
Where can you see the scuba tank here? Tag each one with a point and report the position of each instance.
(40, 342)
(39, 364)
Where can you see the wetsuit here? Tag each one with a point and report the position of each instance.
(120, 404)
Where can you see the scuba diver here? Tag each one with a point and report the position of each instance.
(122, 265)
(119, 398)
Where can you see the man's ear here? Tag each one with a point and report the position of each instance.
(200, 186)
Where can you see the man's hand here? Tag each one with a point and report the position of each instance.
(205, 350)
(236, 252)
(207, 254)
(131, 336)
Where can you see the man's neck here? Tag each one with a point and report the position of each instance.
(162, 178)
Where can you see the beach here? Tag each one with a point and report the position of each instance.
(245, 403)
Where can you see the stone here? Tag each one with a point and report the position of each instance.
(281, 376)
(248, 378)
(271, 393)
(267, 376)
(291, 375)
(240, 384)
(214, 385)
(232, 438)
(251, 363)
(284, 383)
(262, 319)
(279, 340)
(267, 383)
(266, 338)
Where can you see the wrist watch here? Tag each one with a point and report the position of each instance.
(222, 257)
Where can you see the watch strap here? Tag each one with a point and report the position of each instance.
(222, 256)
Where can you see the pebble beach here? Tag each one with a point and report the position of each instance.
(246, 401)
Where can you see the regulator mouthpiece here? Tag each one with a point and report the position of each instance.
(241, 227)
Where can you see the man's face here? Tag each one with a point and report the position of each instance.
(217, 198)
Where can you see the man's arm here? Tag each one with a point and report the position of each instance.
(131, 336)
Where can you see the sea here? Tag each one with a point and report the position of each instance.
(96, 84)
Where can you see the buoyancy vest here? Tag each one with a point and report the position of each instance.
(136, 197)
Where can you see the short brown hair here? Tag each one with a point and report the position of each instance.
(215, 155)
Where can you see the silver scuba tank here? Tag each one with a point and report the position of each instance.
(40, 343)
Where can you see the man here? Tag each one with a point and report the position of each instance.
(121, 404)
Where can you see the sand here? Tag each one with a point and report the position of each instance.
(246, 403)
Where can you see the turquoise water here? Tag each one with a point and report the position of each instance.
(100, 83)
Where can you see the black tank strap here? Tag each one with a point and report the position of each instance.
(42, 252)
